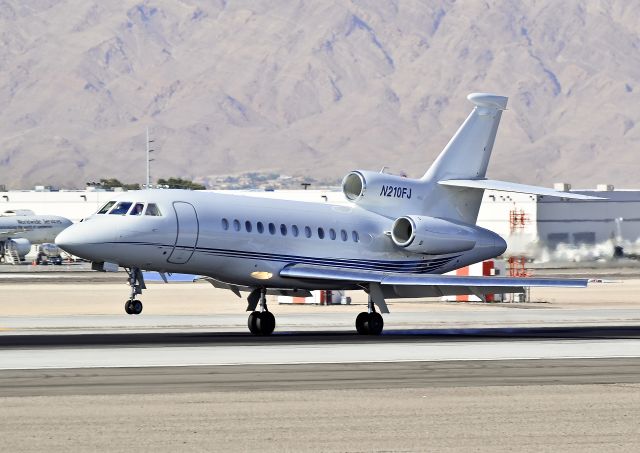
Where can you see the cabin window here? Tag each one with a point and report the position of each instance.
(355, 236)
(137, 209)
(332, 234)
(153, 210)
(307, 231)
(272, 228)
(260, 227)
(294, 230)
(247, 226)
(106, 207)
(283, 229)
(236, 225)
(121, 208)
(344, 235)
(225, 224)
(320, 233)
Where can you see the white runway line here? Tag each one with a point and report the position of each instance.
(45, 358)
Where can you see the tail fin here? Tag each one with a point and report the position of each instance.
(466, 156)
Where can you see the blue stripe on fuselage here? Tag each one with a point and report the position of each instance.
(414, 266)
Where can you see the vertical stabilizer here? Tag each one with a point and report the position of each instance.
(466, 156)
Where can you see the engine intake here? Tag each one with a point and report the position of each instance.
(431, 235)
(354, 185)
(385, 194)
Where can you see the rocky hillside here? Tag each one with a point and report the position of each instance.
(314, 87)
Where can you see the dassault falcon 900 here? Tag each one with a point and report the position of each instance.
(394, 238)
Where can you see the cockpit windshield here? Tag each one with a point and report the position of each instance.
(137, 209)
(124, 207)
(152, 209)
(121, 208)
(106, 207)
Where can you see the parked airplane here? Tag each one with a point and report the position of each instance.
(21, 228)
(394, 239)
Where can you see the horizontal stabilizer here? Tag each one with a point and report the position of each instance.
(492, 184)
(358, 276)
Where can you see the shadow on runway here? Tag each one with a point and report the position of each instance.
(166, 339)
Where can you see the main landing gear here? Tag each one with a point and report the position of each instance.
(136, 282)
(369, 322)
(262, 321)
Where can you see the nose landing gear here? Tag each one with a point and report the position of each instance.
(136, 282)
(133, 307)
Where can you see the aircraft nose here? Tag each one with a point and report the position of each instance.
(84, 240)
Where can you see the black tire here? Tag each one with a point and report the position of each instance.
(266, 323)
(128, 308)
(375, 324)
(252, 322)
(136, 307)
(362, 324)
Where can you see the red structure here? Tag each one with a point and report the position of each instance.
(518, 266)
(518, 219)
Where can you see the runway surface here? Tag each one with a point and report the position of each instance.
(76, 374)
(344, 376)
(199, 349)
(567, 404)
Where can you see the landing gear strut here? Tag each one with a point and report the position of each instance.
(261, 321)
(136, 282)
(369, 322)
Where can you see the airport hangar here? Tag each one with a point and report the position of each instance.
(522, 219)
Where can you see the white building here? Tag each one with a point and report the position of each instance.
(530, 223)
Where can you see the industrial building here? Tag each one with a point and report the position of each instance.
(537, 225)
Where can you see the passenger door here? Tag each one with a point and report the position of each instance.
(187, 233)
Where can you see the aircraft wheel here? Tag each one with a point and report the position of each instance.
(252, 322)
(136, 307)
(361, 323)
(266, 323)
(128, 308)
(375, 324)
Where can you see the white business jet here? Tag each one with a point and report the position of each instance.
(393, 239)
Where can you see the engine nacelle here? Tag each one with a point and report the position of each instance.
(432, 236)
(381, 192)
(21, 245)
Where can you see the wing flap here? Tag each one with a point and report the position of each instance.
(492, 184)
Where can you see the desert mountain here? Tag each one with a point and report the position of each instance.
(314, 87)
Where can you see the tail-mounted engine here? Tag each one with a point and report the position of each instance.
(377, 191)
(432, 236)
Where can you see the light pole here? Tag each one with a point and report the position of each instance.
(149, 151)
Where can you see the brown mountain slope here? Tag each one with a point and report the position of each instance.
(313, 87)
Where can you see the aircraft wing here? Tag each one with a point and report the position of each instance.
(393, 285)
(492, 184)
(308, 271)
(237, 289)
